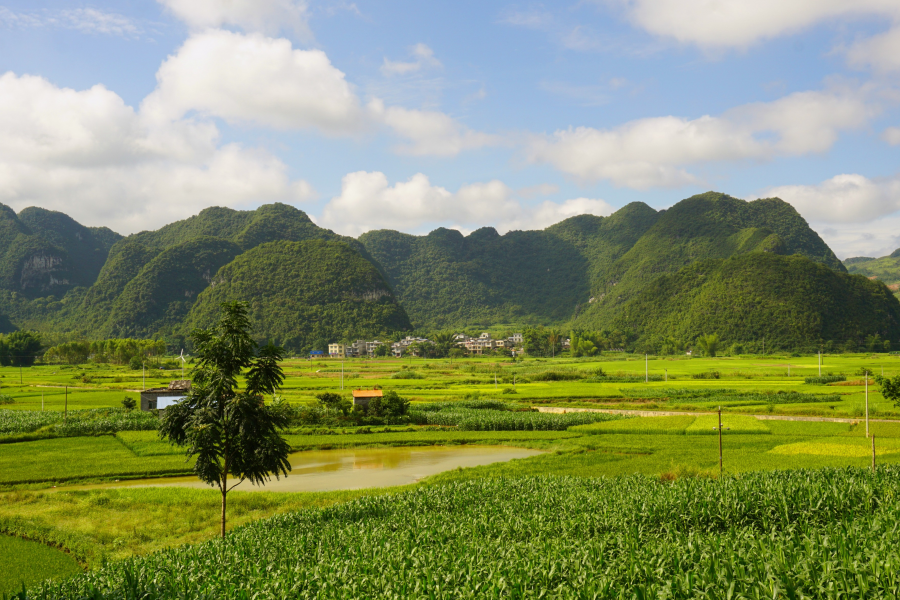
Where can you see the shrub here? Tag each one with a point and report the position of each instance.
(407, 375)
(825, 379)
(706, 375)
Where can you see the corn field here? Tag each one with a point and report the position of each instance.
(78, 422)
(793, 534)
(470, 419)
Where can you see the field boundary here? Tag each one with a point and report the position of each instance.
(669, 413)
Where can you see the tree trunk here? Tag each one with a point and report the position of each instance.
(224, 492)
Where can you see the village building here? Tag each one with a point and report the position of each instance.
(162, 398)
(363, 397)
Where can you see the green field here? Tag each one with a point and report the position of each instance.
(444, 379)
(41, 469)
(28, 563)
(550, 537)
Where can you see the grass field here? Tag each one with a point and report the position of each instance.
(99, 524)
(28, 563)
(100, 386)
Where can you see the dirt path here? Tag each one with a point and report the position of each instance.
(662, 413)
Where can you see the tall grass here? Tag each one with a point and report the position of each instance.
(77, 422)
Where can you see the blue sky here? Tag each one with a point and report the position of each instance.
(411, 115)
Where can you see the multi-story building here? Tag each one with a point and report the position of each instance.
(337, 350)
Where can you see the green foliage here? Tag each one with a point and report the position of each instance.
(407, 374)
(789, 301)
(475, 419)
(391, 405)
(703, 227)
(299, 292)
(78, 422)
(119, 351)
(445, 279)
(230, 431)
(708, 345)
(20, 348)
(129, 403)
(811, 532)
(824, 380)
(889, 388)
(334, 402)
(706, 375)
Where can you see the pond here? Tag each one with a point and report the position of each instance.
(324, 470)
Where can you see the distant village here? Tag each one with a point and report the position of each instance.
(416, 346)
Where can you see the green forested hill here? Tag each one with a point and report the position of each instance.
(885, 269)
(790, 301)
(304, 293)
(43, 252)
(705, 226)
(160, 296)
(306, 282)
(444, 279)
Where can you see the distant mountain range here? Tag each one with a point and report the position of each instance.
(885, 269)
(710, 263)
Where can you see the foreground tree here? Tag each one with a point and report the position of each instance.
(889, 388)
(230, 431)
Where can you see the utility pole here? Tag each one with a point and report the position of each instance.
(42, 401)
(873, 453)
(667, 376)
(720, 442)
(143, 375)
(820, 363)
(342, 374)
(66, 406)
(646, 369)
(867, 403)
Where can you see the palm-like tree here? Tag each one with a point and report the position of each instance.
(553, 337)
(708, 344)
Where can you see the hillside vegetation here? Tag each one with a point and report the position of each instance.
(586, 273)
(885, 269)
(790, 301)
(303, 292)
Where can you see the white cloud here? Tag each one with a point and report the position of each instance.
(548, 213)
(86, 20)
(90, 155)
(876, 238)
(848, 198)
(423, 58)
(654, 152)
(267, 16)
(368, 201)
(880, 52)
(892, 136)
(256, 79)
(429, 132)
(740, 23)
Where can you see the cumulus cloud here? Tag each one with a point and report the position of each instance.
(89, 154)
(429, 132)
(654, 152)
(738, 23)
(847, 198)
(256, 79)
(267, 16)
(423, 58)
(369, 201)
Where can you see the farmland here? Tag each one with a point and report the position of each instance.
(557, 537)
(83, 436)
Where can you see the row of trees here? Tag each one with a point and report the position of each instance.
(119, 351)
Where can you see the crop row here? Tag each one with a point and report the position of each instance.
(799, 534)
(77, 422)
(500, 420)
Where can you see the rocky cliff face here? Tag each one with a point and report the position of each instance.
(43, 272)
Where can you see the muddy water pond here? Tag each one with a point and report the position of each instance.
(323, 470)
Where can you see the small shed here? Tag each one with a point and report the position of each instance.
(363, 397)
(161, 398)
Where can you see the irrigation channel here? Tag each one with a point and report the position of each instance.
(352, 469)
